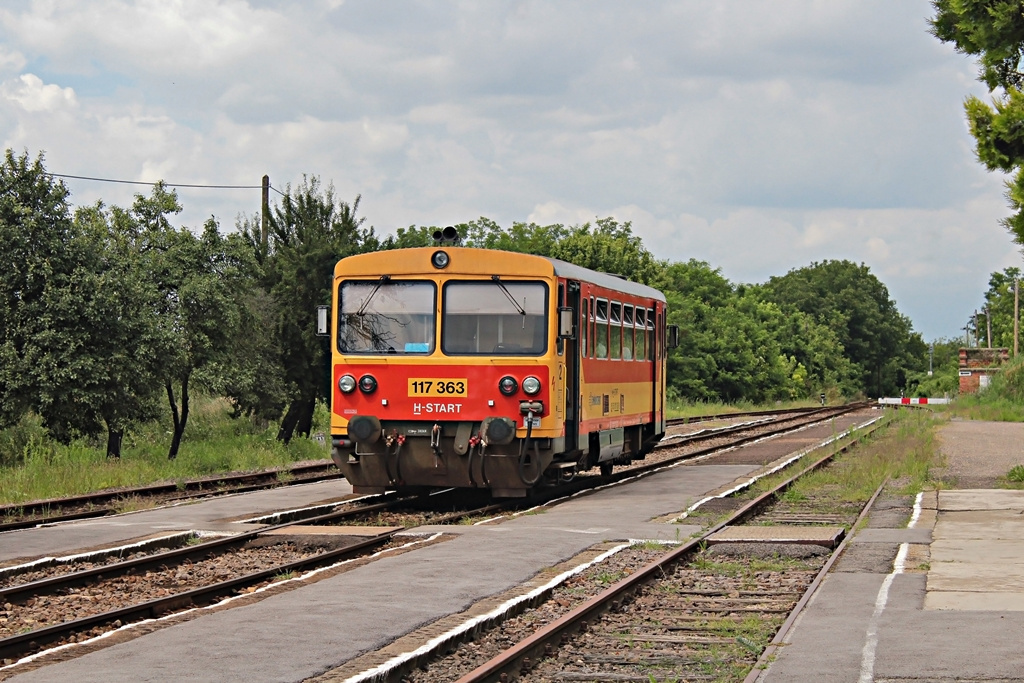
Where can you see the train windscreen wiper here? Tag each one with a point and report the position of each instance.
(373, 292)
(496, 279)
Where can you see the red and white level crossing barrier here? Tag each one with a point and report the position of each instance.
(912, 401)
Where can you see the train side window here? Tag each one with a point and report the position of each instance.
(601, 320)
(627, 332)
(650, 334)
(615, 331)
(560, 301)
(641, 335)
(585, 327)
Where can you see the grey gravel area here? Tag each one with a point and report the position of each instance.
(979, 454)
(123, 591)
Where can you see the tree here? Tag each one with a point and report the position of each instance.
(733, 343)
(994, 32)
(876, 338)
(998, 311)
(607, 246)
(119, 356)
(610, 247)
(200, 282)
(36, 264)
(50, 300)
(310, 230)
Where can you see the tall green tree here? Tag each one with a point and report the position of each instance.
(998, 310)
(310, 230)
(733, 343)
(50, 297)
(121, 351)
(878, 340)
(993, 31)
(606, 245)
(201, 283)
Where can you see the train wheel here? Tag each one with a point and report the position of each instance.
(606, 469)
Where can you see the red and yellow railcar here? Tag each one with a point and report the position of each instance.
(468, 367)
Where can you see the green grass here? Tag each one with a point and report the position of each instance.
(904, 452)
(37, 467)
(676, 408)
(1016, 473)
(1001, 401)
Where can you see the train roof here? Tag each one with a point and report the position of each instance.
(574, 272)
(472, 260)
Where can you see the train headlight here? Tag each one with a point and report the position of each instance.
(508, 385)
(440, 259)
(347, 384)
(531, 385)
(367, 384)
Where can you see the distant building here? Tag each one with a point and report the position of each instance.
(977, 366)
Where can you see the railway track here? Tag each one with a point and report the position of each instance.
(688, 614)
(38, 615)
(102, 503)
(65, 605)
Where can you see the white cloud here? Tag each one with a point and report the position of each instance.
(757, 136)
(11, 60)
(32, 95)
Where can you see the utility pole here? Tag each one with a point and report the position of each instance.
(265, 222)
(1016, 313)
(977, 336)
(931, 356)
(988, 324)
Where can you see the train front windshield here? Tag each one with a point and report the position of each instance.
(386, 317)
(494, 318)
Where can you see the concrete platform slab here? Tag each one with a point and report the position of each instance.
(779, 533)
(973, 601)
(986, 524)
(981, 499)
(976, 577)
(996, 551)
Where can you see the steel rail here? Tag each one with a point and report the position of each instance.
(15, 646)
(226, 483)
(769, 652)
(745, 413)
(18, 645)
(676, 440)
(247, 481)
(523, 655)
(21, 592)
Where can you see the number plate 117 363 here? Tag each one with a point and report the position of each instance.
(422, 386)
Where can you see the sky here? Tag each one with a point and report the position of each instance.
(758, 136)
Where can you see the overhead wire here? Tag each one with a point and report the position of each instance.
(191, 185)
